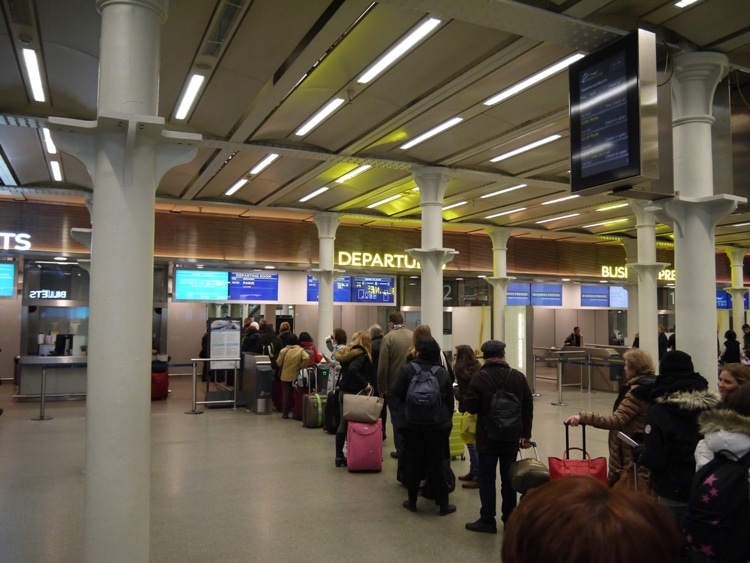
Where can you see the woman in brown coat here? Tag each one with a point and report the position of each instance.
(628, 415)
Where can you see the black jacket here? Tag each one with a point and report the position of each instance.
(401, 386)
(356, 369)
(479, 396)
(672, 432)
(375, 347)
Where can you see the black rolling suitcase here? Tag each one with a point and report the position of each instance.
(332, 413)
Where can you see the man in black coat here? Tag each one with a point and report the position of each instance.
(496, 373)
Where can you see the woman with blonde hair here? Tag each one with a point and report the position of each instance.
(628, 414)
(732, 376)
(356, 375)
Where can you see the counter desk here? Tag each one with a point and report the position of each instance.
(65, 377)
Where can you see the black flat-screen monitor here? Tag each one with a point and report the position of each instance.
(613, 116)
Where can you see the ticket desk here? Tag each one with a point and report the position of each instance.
(64, 377)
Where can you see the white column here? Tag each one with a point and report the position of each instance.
(695, 210)
(647, 269)
(631, 255)
(432, 182)
(327, 224)
(738, 289)
(120, 151)
(499, 280)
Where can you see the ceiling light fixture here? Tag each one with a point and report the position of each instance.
(316, 193)
(432, 132)
(386, 200)
(35, 76)
(525, 148)
(263, 164)
(269, 267)
(237, 185)
(51, 148)
(56, 170)
(605, 223)
(616, 206)
(399, 50)
(533, 79)
(351, 174)
(316, 119)
(503, 191)
(685, 3)
(454, 205)
(60, 258)
(558, 200)
(740, 225)
(557, 218)
(189, 97)
(505, 213)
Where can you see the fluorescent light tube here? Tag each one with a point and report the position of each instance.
(533, 79)
(505, 213)
(51, 148)
(386, 200)
(558, 218)
(351, 174)
(35, 77)
(399, 50)
(616, 206)
(432, 132)
(237, 185)
(605, 223)
(56, 170)
(315, 120)
(740, 225)
(188, 98)
(525, 148)
(558, 200)
(453, 206)
(685, 3)
(503, 191)
(317, 192)
(263, 164)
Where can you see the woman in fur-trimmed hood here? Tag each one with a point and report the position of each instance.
(671, 433)
(727, 428)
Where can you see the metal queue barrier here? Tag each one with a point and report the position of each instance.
(195, 402)
(62, 363)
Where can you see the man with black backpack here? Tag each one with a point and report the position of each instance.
(502, 399)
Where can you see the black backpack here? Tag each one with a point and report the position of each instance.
(423, 400)
(718, 512)
(503, 422)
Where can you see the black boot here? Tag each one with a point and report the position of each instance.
(340, 459)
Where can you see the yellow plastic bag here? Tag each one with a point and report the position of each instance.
(469, 428)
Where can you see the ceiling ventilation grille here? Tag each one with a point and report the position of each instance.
(20, 12)
(223, 27)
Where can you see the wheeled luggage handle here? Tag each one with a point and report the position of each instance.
(536, 453)
(567, 439)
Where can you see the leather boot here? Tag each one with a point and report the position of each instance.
(340, 459)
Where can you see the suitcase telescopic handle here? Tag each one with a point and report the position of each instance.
(567, 437)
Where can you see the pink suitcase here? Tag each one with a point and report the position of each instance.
(364, 446)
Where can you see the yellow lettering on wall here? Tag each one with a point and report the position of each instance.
(376, 260)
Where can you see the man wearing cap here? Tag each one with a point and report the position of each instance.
(671, 433)
(496, 373)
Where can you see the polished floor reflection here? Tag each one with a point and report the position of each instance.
(229, 485)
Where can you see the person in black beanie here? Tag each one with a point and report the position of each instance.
(678, 397)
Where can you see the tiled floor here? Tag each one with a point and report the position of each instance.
(229, 485)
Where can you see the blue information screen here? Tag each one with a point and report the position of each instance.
(723, 299)
(373, 290)
(253, 286)
(200, 285)
(7, 279)
(618, 297)
(546, 294)
(594, 296)
(342, 289)
(519, 293)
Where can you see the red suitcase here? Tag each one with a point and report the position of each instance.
(159, 385)
(364, 446)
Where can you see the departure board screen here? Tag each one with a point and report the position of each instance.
(253, 286)
(200, 285)
(342, 289)
(618, 297)
(8, 279)
(373, 290)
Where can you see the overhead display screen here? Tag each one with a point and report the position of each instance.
(723, 299)
(253, 286)
(200, 285)
(546, 294)
(342, 289)
(8, 279)
(618, 297)
(518, 293)
(594, 296)
(373, 290)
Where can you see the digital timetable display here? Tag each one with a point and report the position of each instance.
(8, 279)
(253, 286)
(373, 290)
(342, 289)
(201, 285)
